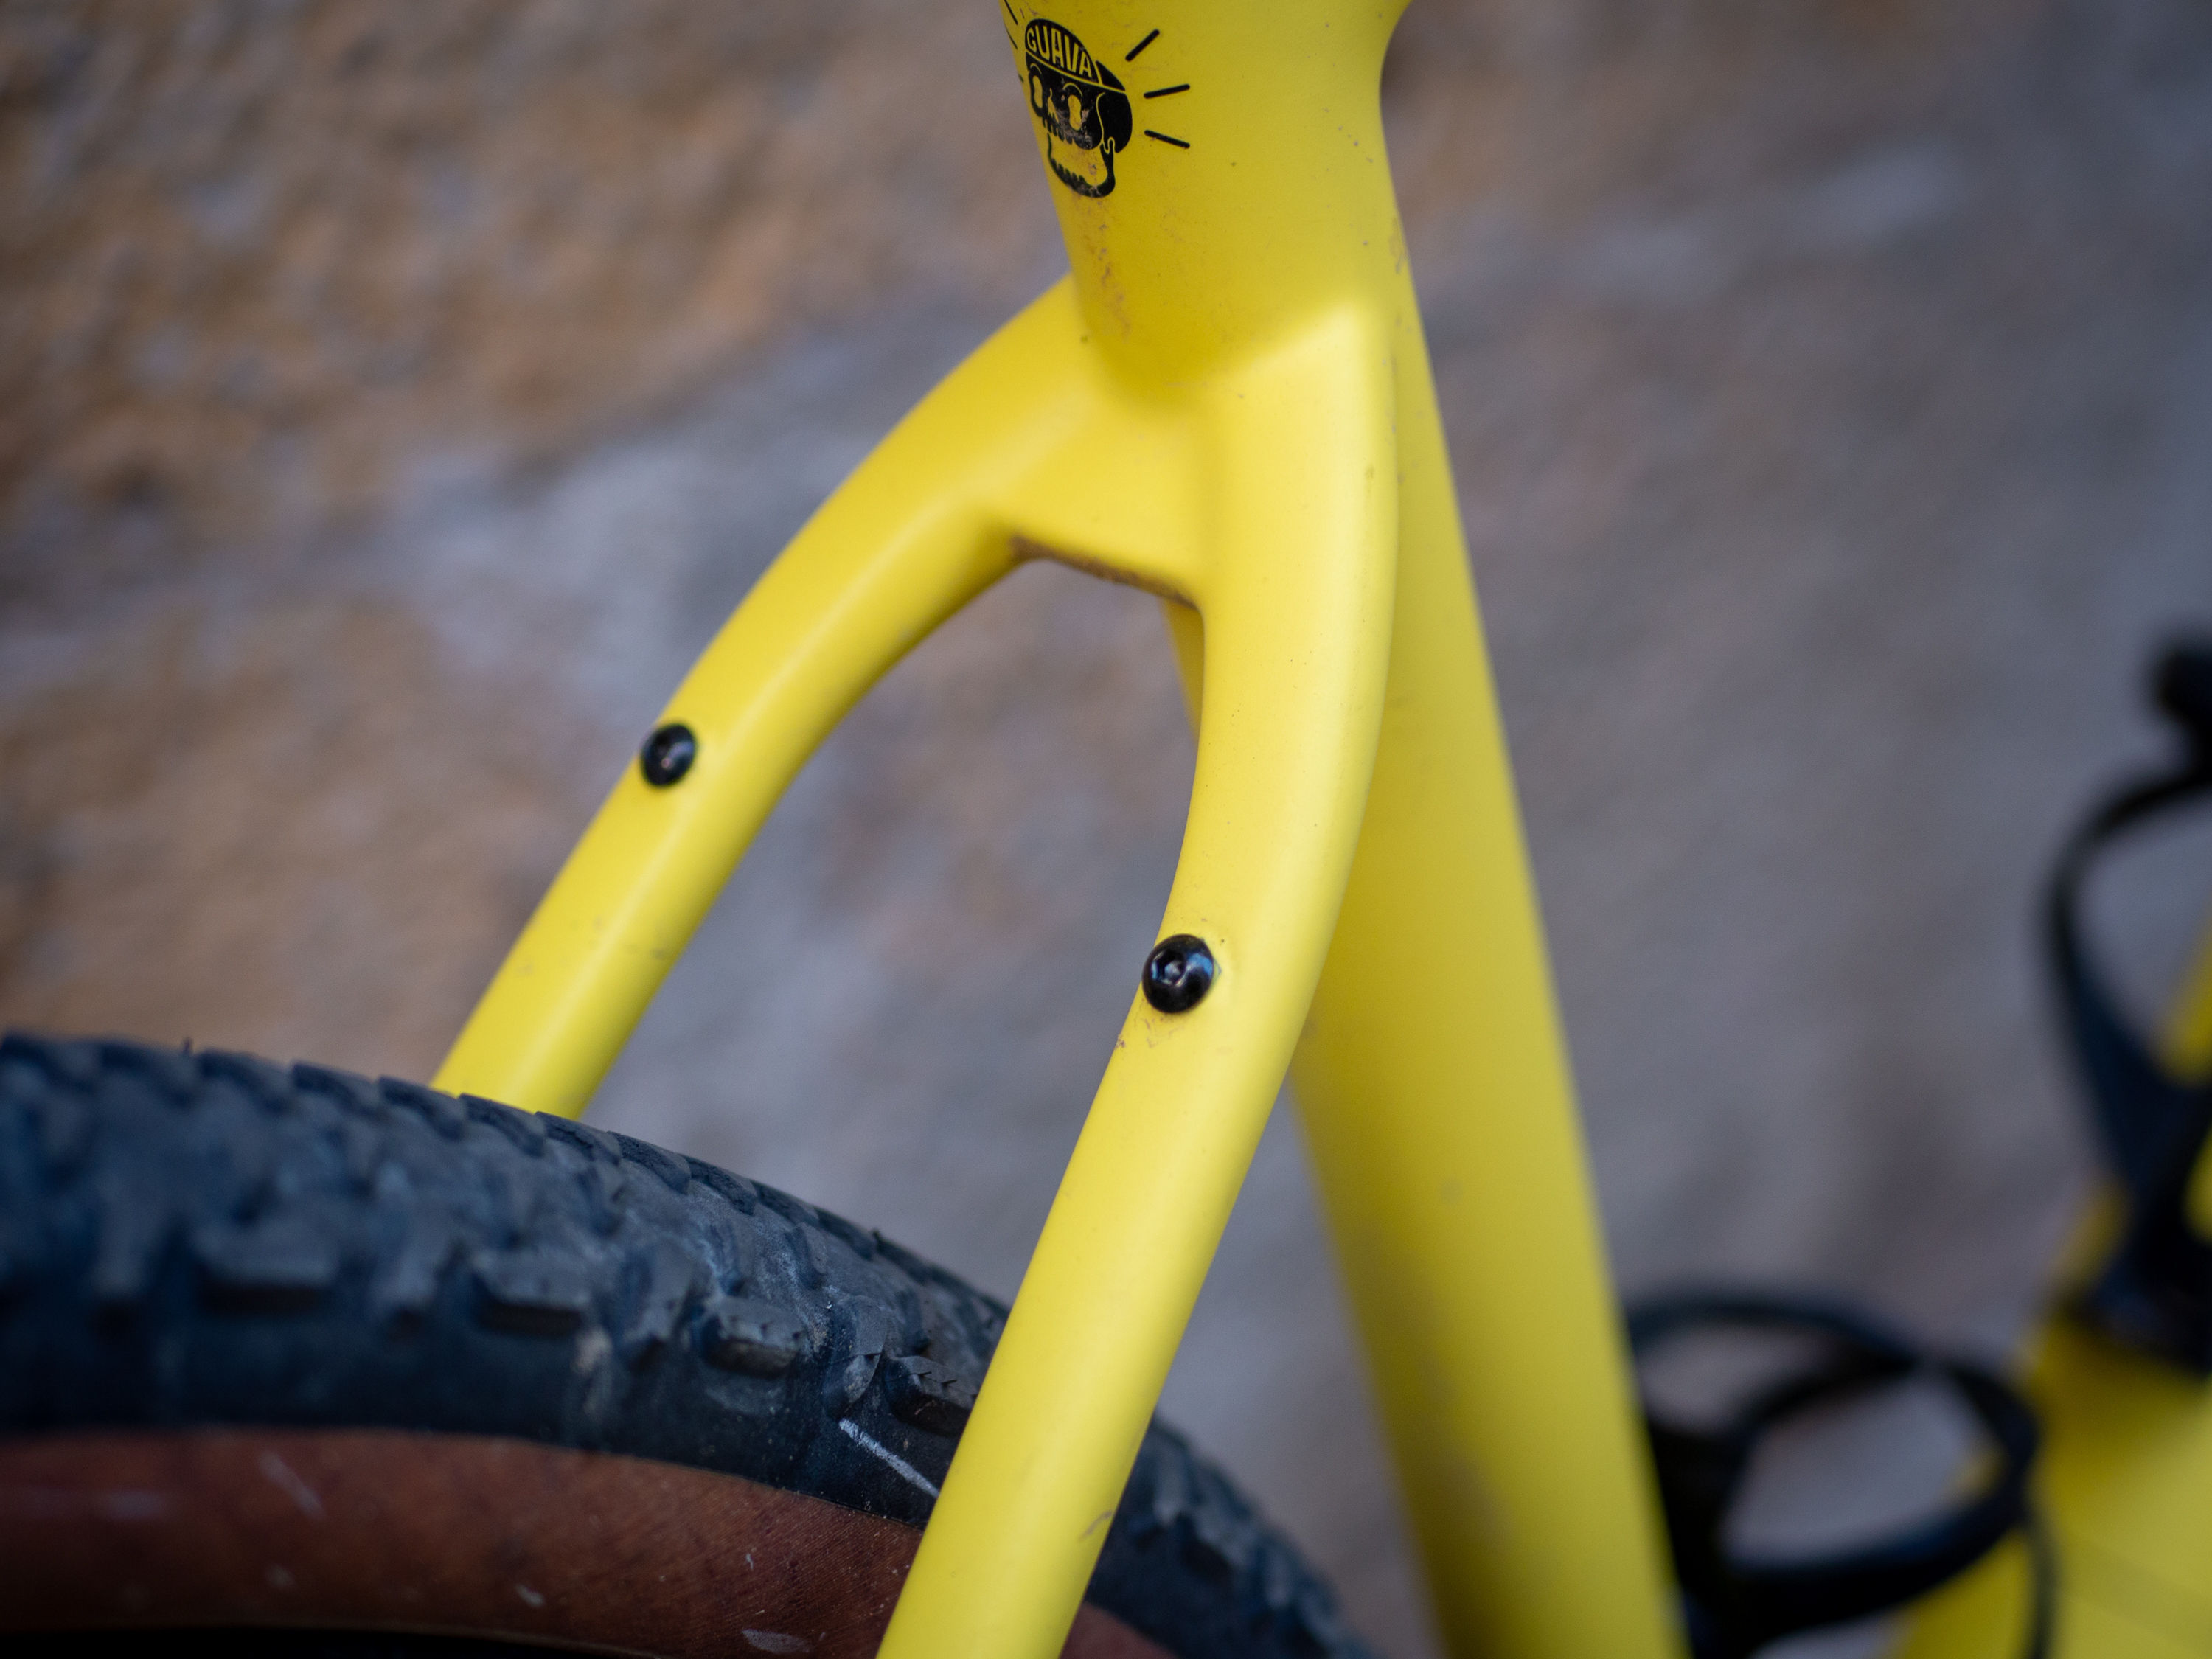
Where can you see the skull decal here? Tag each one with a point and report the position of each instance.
(1085, 110)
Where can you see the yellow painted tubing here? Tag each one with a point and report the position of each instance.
(1434, 1088)
(1295, 599)
(1227, 403)
(908, 538)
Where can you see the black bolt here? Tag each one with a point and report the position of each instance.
(667, 755)
(1179, 972)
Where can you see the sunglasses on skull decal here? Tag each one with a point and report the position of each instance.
(1083, 107)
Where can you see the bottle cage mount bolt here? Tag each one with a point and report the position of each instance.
(1179, 973)
(667, 755)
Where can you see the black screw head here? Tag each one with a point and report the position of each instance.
(667, 755)
(1178, 973)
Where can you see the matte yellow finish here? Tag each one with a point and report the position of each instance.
(2125, 1470)
(1285, 747)
(1227, 403)
(2104, 1612)
(1434, 1088)
(1010, 446)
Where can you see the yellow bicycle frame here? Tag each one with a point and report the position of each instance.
(1228, 404)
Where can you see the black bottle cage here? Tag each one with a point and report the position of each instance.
(2154, 1290)
(1734, 1604)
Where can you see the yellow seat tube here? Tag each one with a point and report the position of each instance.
(1434, 1089)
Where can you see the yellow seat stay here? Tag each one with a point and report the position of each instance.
(1227, 403)
(942, 509)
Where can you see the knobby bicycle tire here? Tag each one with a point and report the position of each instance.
(294, 1347)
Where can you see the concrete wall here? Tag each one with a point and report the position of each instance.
(395, 398)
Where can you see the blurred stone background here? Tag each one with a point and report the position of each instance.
(393, 399)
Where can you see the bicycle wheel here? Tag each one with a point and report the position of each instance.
(292, 1349)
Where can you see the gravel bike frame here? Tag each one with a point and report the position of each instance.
(1228, 404)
